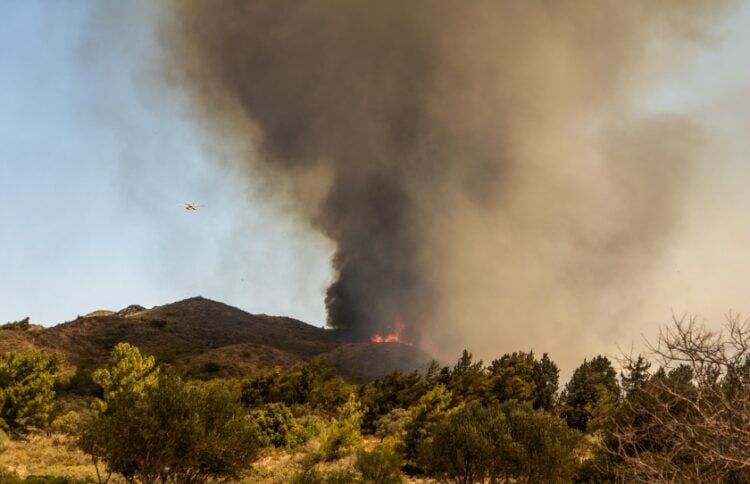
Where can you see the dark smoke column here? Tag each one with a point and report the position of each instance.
(341, 84)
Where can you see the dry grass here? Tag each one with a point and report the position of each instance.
(41, 454)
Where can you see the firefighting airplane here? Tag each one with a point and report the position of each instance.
(190, 206)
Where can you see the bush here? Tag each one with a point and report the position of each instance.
(26, 388)
(391, 424)
(174, 431)
(381, 465)
(278, 427)
(466, 445)
(342, 436)
(316, 384)
(67, 423)
(22, 325)
(478, 443)
(420, 419)
(394, 391)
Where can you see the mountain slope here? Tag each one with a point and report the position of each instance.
(209, 338)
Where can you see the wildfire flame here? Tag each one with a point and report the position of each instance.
(393, 337)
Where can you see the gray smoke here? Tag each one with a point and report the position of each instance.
(479, 164)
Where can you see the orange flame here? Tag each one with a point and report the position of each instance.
(393, 337)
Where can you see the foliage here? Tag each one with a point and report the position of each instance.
(591, 394)
(381, 465)
(342, 436)
(173, 431)
(277, 426)
(67, 423)
(394, 391)
(22, 325)
(465, 447)
(545, 376)
(516, 376)
(478, 444)
(420, 420)
(127, 371)
(81, 383)
(26, 388)
(544, 446)
(467, 380)
(315, 383)
(391, 424)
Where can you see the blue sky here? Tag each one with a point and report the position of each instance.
(95, 162)
(94, 168)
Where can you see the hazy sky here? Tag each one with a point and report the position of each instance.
(96, 157)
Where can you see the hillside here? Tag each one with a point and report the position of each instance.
(209, 338)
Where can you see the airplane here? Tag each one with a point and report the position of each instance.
(190, 206)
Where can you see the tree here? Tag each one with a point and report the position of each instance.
(543, 448)
(513, 377)
(127, 371)
(688, 422)
(26, 388)
(421, 418)
(172, 431)
(468, 380)
(395, 390)
(277, 426)
(315, 383)
(591, 393)
(381, 465)
(342, 436)
(500, 443)
(520, 376)
(545, 376)
(466, 446)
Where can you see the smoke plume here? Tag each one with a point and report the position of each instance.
(481, 166)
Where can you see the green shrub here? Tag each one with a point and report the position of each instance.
(381, 465)
(27, 388)
(22, 325)
(278, 427)
(315, 384)
(67, 423)
(172, 430)
(420, 420)
(341, 437)
(391, 424)
(511, 441)
(465, 445)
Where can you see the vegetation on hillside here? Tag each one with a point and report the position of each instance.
(21, 325)
(678, 413)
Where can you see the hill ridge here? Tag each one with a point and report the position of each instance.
(210, 338)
